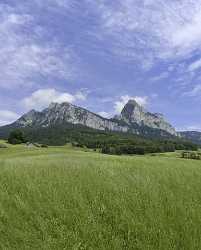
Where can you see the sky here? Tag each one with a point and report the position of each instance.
(98, 54)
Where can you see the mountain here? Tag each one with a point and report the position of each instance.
(58, 114)
(133, 119)
(193, 136)
(133, 113)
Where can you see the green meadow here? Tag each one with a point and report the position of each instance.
(65, 198)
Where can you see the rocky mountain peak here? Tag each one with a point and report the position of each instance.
(131, 109)
(28, 118)
(31, 112)
(131, 105)
(55, 105)
(133, 113)
(159, 115)
(52, 105)
(132, 102)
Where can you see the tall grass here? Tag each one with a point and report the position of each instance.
(58, 198)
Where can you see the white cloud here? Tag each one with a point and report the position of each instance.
(81, 95)
(104, 114)
(190, 128)
(16, 19)
(24, 56)
(188, 33)
(194, 92)
(160, 77)
(194, 128)
(195, 65)
(154, 96)
(43, 97)
(54, 3)
(151, 29)
(141, 100)
(7, 117)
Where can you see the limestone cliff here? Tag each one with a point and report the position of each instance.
(68, 113)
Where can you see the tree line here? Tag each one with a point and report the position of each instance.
(191, 155)
(106, 142)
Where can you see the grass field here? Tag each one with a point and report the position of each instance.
(61, 198)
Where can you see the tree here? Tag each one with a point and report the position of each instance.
(105, 149)
(16, 137)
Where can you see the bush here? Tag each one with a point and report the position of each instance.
(16, 137)
(105, 150)
(124, 149)
(191, 155)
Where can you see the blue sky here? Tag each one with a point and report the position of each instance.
(98, 54)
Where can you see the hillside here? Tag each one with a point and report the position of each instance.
(60, 198)
(111, 142)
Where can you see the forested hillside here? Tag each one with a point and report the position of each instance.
(107, 142)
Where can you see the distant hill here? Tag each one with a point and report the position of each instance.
(193, 136)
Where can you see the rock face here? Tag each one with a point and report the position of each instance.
(133, 113)
(134, 118)
(29, 119)
(68, 113)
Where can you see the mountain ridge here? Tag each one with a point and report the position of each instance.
(68, 113)
(133, 118)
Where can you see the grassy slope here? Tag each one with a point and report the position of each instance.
(59, 198)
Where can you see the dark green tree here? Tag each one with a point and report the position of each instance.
(16, 137)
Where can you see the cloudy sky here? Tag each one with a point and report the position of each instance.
(100, 53)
